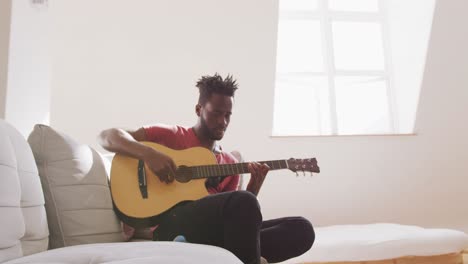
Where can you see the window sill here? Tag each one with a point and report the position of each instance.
(348, 135)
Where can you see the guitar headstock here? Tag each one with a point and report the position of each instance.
(303, 165)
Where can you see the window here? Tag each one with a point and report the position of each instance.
(334, 68)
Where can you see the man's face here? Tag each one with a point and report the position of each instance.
(215, 115)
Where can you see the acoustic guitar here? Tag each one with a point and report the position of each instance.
(139, 196)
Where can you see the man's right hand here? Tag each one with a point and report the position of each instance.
(161, 164)
(128, 143)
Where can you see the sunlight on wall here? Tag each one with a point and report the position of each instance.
(349, 67)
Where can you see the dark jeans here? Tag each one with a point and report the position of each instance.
(233, 221)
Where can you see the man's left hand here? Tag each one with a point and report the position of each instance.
(258, 173)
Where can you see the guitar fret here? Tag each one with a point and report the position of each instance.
(205, 171)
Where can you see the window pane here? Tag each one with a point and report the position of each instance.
(297, 5)
(301, 106)
(358, 46)
(361, 105)
(354, 5)
(299, 46)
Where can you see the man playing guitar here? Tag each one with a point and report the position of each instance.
(228, 217)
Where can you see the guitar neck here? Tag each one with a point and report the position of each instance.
(206, 171)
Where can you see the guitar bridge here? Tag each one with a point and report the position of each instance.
(142, 183)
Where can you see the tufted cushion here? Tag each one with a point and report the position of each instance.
(76, 190)
(23, 223)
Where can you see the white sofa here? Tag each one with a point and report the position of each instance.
(55, 207)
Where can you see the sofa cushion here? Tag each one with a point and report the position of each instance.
(385, 242)
(75, 182)
(135, 252)
(23, 222)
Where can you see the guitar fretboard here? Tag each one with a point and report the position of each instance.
(206, 171)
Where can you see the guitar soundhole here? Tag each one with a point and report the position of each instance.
(183, 174)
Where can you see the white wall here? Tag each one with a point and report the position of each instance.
(128, 63)
(409, 25)
(5, 17)
(29, 69)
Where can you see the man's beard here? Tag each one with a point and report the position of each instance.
(208, 131)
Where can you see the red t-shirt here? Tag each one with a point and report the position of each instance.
(178, 138)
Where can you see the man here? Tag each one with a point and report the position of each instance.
(228, 217)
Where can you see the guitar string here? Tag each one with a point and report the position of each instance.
(205, 171)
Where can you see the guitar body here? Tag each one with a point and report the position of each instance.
(129, 203)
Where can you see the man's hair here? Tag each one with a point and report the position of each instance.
(209, 85)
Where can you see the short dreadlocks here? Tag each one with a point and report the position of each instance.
(209, 85)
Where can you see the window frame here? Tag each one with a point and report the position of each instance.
(326, 17)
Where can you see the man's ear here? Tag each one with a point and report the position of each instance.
(198, 109)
